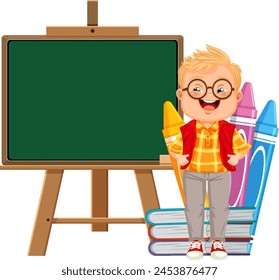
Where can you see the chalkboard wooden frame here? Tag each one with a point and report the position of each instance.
(5, 158)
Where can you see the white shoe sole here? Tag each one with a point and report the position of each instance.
(197, 257)
(216, 257)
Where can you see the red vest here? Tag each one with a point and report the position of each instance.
(225, 138)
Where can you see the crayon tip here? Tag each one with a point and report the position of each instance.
(246, 107)
(267, 121)
(172, 120)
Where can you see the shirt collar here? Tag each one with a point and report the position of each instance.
(213, 128)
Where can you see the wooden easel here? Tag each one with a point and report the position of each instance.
(99, 198)
(99, 173)
(99, 211)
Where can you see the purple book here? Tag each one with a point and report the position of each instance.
(179, 248)
(244, 119)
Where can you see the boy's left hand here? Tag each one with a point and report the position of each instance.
(234, 159)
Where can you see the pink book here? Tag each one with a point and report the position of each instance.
(244, 119)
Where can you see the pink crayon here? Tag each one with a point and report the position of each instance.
(244, 119)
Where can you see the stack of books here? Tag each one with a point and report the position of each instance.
(169, 234)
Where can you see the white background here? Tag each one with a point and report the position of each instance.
(248, 32)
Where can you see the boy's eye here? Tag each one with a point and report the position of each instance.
(221, 89)
(198, 89)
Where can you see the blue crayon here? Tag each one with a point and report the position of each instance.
(266, 132)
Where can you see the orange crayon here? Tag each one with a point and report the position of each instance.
(172, 123)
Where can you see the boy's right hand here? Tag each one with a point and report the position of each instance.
(182, 159)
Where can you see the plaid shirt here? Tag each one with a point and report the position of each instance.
(206, 154)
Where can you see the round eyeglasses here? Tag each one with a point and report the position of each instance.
(221, 89)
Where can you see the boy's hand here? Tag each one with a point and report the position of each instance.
(234, 159)
(182, 159)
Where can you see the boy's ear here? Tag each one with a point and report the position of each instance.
(239, 96)
(179, 93)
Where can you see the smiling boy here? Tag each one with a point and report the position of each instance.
(208, 147)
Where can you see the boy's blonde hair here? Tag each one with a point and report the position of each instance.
(204, 60)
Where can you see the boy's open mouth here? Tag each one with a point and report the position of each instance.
(209, 105)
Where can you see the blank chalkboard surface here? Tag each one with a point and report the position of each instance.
(87, 100)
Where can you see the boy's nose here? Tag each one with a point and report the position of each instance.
(209, 91)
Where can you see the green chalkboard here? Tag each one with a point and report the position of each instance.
(87, 100)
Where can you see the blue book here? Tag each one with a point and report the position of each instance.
(266, 132)
(170, 216)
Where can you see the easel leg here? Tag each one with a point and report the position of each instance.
(45, 212)
(147, 189)
(100, 198)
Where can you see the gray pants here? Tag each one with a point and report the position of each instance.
(219, 184)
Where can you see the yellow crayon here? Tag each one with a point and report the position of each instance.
(172, 124)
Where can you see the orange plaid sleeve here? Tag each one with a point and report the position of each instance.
(176, 145)
(240, 146)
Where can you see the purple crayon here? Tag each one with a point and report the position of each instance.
(244, 119)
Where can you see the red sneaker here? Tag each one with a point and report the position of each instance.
(217, 250)
(195, 251)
